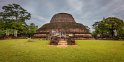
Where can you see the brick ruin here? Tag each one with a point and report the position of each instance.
(64, 23)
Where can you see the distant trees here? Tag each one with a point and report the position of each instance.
(111, 27)
(12, 20)
(32, 29)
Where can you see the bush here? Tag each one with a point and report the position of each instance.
(30, 40)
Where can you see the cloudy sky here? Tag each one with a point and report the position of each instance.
(84, 11)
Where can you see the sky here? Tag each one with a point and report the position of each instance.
(84, 11)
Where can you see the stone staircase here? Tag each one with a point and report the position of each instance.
(62, 43)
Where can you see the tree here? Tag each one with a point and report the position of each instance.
(32, 29)
(1, 27)
(14, 17)
(16, 12)
(110, 27)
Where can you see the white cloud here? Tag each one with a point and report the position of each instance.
(41, 18)
(75, 4)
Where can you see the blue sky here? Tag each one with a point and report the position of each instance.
(84, 11)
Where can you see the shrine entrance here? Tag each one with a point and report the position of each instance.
(61, 38)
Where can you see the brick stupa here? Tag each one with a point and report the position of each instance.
(64, 22)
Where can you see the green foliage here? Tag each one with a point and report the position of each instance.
(15, 12)
(2, 32)
(20, 50)
(109, 27)
(31, 29)
(13, 18)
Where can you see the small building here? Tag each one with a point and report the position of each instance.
(63, 24)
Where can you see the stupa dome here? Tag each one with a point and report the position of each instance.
(62, 17)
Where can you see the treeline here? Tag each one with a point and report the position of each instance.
(109, 28)
(13, 22)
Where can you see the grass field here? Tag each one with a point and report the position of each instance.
(21, 50)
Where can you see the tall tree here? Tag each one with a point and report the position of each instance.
(16, 12)
(14, 17)
(109, 27)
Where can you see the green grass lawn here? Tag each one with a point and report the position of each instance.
(21, 50)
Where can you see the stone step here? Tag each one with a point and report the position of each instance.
(62, 43)
(62, 46)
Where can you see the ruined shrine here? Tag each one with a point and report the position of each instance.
(63, 25)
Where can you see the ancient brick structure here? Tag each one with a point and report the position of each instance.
(64, 23)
